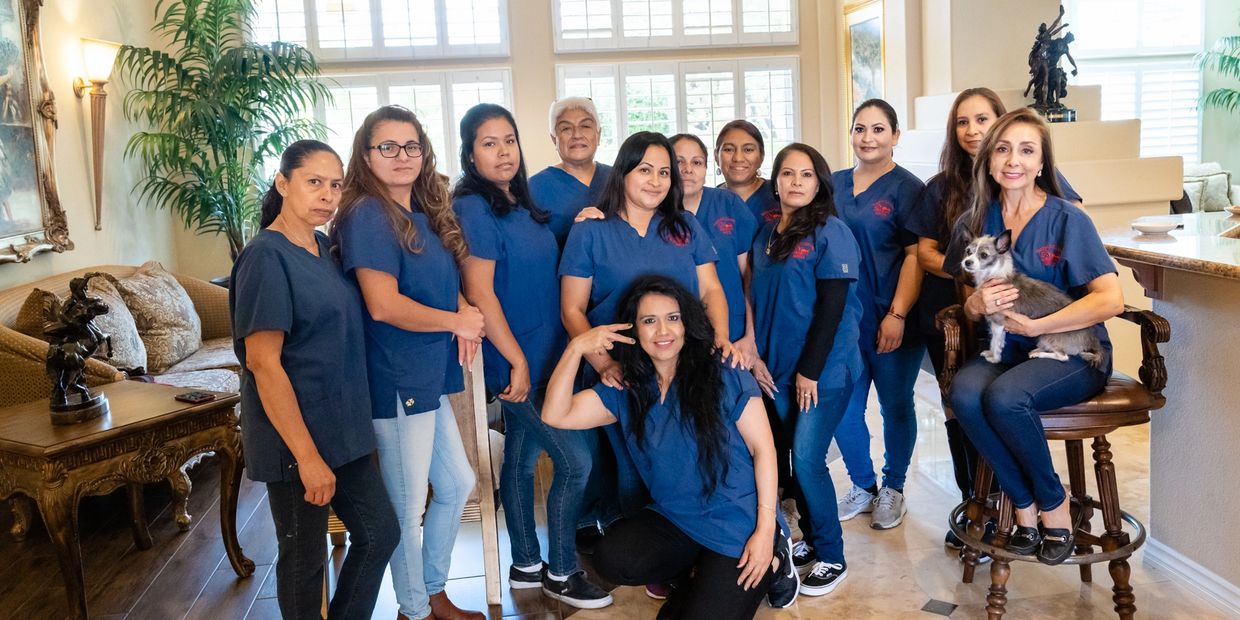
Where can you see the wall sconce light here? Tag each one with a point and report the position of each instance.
(98, 57)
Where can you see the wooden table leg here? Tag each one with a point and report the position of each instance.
(230, 485)
(181, 486)
(137, 513)
(20, 505)
(60, 515)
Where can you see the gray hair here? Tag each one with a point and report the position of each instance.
(560, 106)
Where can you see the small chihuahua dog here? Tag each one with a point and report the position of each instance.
(988, 258)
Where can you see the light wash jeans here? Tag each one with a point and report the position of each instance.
(893, 375)
(414, 450)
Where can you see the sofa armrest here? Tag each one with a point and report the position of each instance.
(211, 303)
(23, 370)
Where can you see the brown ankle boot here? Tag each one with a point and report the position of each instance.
(443, 609)
(400, 616)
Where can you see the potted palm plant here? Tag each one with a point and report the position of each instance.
(1223, 58)
(216, 106)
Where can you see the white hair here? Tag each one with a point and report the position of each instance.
(560, 106)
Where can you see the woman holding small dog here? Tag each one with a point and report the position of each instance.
(1016, 190)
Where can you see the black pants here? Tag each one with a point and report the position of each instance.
(362, 504)
(651, 549)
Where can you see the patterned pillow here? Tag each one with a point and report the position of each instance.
(169, 325)
(128, 352)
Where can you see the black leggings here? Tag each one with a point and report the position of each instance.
(649, 548)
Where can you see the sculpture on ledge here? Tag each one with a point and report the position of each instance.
(74, 338)
(1048, 81)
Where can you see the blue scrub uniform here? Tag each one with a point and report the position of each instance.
(278, 286)
(877, 218)
(667, 461)
(526, 284)
(611, 252)
(731, 227)
(563, 196)
(763, 203)
(416, 367)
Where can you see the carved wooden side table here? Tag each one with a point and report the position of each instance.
(148, 437)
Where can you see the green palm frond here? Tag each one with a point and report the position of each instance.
(217, 106)
(1222, 58)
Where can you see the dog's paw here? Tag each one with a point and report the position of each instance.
(991, 356)
(1050, 355)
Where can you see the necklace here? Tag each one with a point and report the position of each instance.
(771, 240)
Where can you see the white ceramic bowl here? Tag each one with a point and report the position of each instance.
(1154, 227)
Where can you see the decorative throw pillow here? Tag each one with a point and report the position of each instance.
(128, 352)
(1209, 191)
(164, 313)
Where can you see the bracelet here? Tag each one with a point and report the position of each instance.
(895, 314)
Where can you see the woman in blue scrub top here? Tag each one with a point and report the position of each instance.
(1052, 240)
(946, 196)
(564, 189)
(731, 228)
(397, 236)
(876, 199)
(739, 151)
(807, 315)
(510, 276)
(305, 409)
(698, 434)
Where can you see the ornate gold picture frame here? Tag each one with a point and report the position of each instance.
(31, 218)
(864, 53)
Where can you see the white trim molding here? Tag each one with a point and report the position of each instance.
(1201, 580)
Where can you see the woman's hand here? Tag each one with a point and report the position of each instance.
(465, 352)
(756, 558)
(807, 393)
(728, 352)
(598, 341)
(890, 334)
(469, 323)
(611, 375)
(588, 213)
(747, 347)
(993, 296)
(318, 479)
(765, 381)
(518, 385)
(1022, 325)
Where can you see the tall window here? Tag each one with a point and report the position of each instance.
(383, 29)
(1141, 53)
(689, 97)
(583, 25)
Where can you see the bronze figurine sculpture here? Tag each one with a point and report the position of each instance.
(73, 338)
(1047, 80)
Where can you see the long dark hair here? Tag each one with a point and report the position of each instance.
(430, 190)
(290, 160)
(471, 181)
(985, 187)
(698, 380)
(808, 218)
(674, 226)
(955, 163)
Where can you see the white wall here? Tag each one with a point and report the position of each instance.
(1220, 130)
(131, 232)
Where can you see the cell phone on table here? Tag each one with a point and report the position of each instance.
(195, 397)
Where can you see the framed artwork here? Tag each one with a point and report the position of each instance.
(863, 52)
(31, 218)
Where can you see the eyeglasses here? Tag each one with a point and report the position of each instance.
(392, 149)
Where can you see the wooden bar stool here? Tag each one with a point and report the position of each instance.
(1123, 402)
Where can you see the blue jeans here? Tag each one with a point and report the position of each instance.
(526, 438)
(811, 434)
(415, 450)
(301, 529)
(998, 405)
(893, 375)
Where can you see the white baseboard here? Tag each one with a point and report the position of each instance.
(1185, 572)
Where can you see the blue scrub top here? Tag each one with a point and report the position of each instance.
(878, 218)
(526, 256)
(667, 461)
(763, 204)
(563, 196)
(1058, 245)
(278, 286)
(414, 368)
(611, 252)
(731, 228)
(784, 295)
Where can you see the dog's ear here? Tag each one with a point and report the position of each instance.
(1003, 242)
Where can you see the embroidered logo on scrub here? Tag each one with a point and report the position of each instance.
(770, 215)
(679, 241)
(1050, 255)
(725, 225)
(803, 249)
(882, 208)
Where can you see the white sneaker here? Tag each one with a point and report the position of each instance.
(856, 502)
(888, 509)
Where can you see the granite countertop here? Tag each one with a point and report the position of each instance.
(1208, 244)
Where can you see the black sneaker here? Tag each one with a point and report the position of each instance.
(951, 541)
(823, 578)
(587, 539)
(785, 586)
(576, 591)
(522, 580)
(802, 556)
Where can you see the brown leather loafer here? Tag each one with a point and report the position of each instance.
(443, 609)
